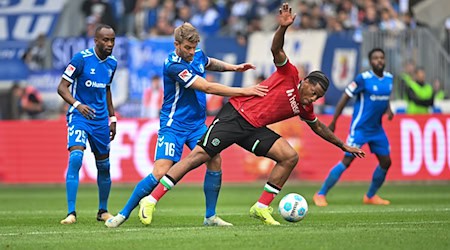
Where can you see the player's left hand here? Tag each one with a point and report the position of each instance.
(112, 130)
(357, 152)
(244, 67)
(257, 90)
(390, 114)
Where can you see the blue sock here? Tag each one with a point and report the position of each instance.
(72, 178)
(377, 180)
(333, 177)
(211, 188)
(103, 182)
(142, 189)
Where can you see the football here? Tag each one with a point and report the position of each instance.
(293, 207)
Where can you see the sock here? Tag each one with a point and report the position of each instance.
(333, 177)
(211, 188)
(103, 182)
(377, 180)
(267, 196)
(72, 178)
(142, 189)
(165, 184)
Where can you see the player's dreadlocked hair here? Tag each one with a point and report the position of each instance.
(186, 32)
(320, 78)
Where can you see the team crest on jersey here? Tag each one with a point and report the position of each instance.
(344, 66)
(69, 70)
(215, 142)
(185, 75)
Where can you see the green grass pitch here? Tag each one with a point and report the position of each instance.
(418, 218)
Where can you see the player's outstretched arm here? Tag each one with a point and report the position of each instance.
(63, 91)
(221, 66)
(323, 131)
(285, 19)
(339, 107)
(218, 89)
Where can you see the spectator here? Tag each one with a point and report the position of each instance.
(152, 99)
(36, 53)
(207, 18)
(409, 67)
(27, 102)
(420, 94)
(100, 8)
(439, 93)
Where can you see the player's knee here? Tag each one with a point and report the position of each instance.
(291, 160)
(76, 158)
(385, 164)
(103, 165)
(214, 164)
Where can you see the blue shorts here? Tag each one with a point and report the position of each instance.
(170, 142)
(80, 130)
(378, 141)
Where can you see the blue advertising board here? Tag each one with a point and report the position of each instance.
(340, 62)
(229, 50)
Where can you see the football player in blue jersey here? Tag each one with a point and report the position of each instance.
(90, 117)
(372, 90)
(182, 120)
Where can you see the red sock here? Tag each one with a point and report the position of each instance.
(159, 191)
(269, 193)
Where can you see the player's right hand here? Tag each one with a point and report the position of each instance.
(356, 152)
(257, 90)
(286, 18)
(86, 111)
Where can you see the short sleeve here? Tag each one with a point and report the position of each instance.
(181, 74)
(307, 113)
(286, 68)
(74, 69)
(356, 86)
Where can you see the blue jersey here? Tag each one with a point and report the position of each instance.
(372, 100)
(89, 76)
(183, 108)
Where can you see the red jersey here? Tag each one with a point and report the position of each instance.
(281, 102)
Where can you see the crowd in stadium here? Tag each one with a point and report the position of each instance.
(143, 18)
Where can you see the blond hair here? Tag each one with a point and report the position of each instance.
(188, 32)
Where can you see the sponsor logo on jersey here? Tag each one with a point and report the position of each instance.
(92, 71)
(94, 84)
(379, 97)
(69, 70)
(185, 75)
(293, 102)
(289, 92)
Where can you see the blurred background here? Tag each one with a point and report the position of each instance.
(39, 37)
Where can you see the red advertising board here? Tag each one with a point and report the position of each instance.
(35, 152)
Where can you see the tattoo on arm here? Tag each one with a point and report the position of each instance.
(216, 65)
(323, 131)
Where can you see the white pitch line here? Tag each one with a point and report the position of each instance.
(204, 228)
(105, 230)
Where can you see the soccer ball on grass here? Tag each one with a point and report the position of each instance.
(293, 207)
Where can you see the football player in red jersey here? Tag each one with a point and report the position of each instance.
(244, 121)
